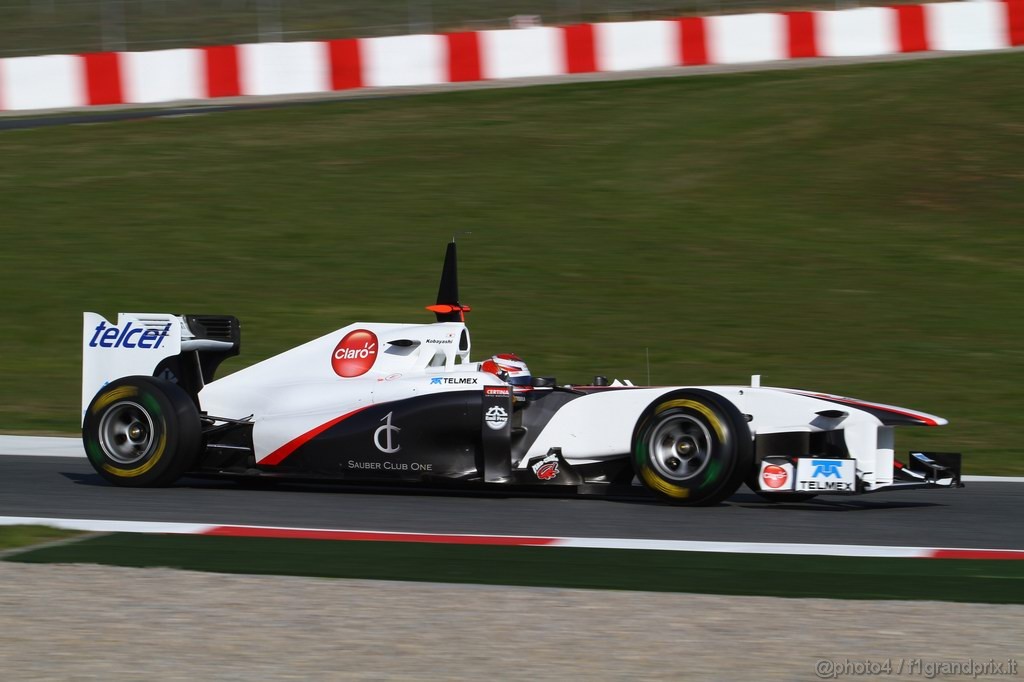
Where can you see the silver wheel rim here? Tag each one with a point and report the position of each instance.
(680, 447)
(126, 432)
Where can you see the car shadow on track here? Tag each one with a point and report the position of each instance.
(741, 500)
(269, 485)
(827, 504)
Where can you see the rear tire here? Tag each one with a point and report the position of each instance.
(692, 447)
(141, 431)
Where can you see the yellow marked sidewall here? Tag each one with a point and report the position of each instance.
(699, 407)
(119, 393)
(161, 446)
(662, 486)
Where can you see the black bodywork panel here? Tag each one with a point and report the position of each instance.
(457, 436)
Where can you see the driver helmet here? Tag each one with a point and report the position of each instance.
(509, 368)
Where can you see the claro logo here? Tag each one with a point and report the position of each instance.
(355, 354)
(774, 476)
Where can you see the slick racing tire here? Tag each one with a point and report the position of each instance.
(692, 447)
(141, 431)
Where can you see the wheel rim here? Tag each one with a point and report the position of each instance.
(126, 432)
(680, 447)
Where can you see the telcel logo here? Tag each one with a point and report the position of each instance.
(355, 354)
(128, 337)
(826, 468)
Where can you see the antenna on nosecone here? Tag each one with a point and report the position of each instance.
(648, 351)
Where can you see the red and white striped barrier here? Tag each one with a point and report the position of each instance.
(265, 69)
(878, 551)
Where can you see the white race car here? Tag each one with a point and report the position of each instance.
(404, 403)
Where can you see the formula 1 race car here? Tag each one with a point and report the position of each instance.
(403, 403)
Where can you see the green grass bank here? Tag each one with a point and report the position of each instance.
(850, 229)
(657, 571)
(16, 537)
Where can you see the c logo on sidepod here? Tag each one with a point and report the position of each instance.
(355, 354)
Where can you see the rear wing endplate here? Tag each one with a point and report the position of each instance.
(133, 346)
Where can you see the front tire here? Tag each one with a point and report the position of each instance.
(141, 431)
(692, 447)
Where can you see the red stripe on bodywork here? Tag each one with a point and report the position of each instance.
(277, 456)
(580, 54)
(373, 536)
(912, 29)
(927, 421)
(346, 64)
(1015, 22)
(463, 57)
(802, 38)
(221, 69)
(693, 48)
(991, 554)
(103, 78)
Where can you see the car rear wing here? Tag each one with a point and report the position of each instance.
(183, 349)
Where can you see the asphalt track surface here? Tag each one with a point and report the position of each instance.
(982, 515)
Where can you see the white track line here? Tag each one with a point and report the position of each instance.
(792, 549)
(993, 479)
(103, 526)
(750, 547)
(41, 446)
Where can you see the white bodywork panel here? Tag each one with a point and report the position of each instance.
(600, 425)
(294, 393)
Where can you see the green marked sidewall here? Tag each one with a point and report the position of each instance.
(152, 404)
(641, 447)
(93, 450)
(713, 470)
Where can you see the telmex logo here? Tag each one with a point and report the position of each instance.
(826, 468)
(453, 380)
(129, 337)
(355, 354)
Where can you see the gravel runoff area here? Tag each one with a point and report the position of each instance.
(64, 622)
